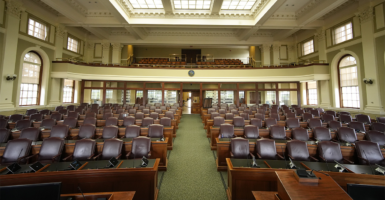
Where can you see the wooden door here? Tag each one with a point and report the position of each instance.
(195, 108)
(253, 98)
(191, 54)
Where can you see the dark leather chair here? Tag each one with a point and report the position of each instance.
(241, 109)
(107, 115)
(132, 131)
(222, 111)
(376, 126)
(15, 117)
(16, 151)
(234, 112)
(73, 114)
(162, 108)
(169, 114)
(275, 116)
(327, 118)
(210, 110)
(60, 131)
(238, 122)
(315, 113)
(330, 151)
(31, 112)
(45, 112)
(240, 148)
(112, 148)
(306, 116)
(84, 150)
(278, 132)
(152, 107)
(110, 132)
(290, 115)
(229, 116)
(141, 146)
(297, 151)
(251, 132)
(129, 121)
(322, 134)
(112, 121)
(299, 112)
(120, 110)
(313, 123)
(320, 110)
(369, 153)
(50, 151)
(274, 111)
(159, 111)
(343, 113)
(90, 115)
(381, 119)
(300, 134)
(165, 121)
(308, 110)
(71, 122)
(265, 149)
(87, 131)
(107, 111)
(270, 122)
(245, 116)
(80, 111)
(71, 108)
(331, 112)
(345, 118)
(256, 122)
(147, 121)
(363, 118)
(218, 121)
(30, 133)
(95, 105)
(214, 114)
(63, 111)
(4, 135)
(146, 111)
(226, 131)
(346, 134)
(3, 123)
(36, 117)
(22, 124)
(292, 123)
(334, 125)
(173, 110)
(261, 111)
(59, 108)
(357, 126)
(89, 120)
(154, 115)
(376, 136)
(155, 131)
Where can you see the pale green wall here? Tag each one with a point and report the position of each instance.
(229, 53)
(380, 49)
(1, 49)
(151, 52)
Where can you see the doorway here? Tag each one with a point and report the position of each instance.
(191, 54)
(186, 103)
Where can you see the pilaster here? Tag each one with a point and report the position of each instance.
(320, 39)
(116, 53)
(276, 58)
(106, 52)
(59, 37)
(265, 51)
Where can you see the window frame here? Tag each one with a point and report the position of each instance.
(76, 39)
(303, 47)
(308, 94)
(40, 79)
(339, 83)
(36, 19)
(339, 26)
(73, 91)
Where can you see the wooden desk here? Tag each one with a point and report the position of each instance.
(109, 195)
(264, 195)
(289, 188)
(141, 180)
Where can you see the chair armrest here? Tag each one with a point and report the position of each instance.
(68, 157)
(280, 156)
(363, 159)
(334, 140)
(312, 158)
(96, 157)
(288, 138)
(149, 154)
(21, 158)
(53, 158)
(29, 157)
(231, 154)
(123, 136)
(89, 158)
(128, 154)
(252, 155)
(322, 158)
(99, 137)
(291, 157)
(348, 161)
(118, 157)
(259, 156)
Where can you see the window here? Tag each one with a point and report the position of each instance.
(227, 97)
(348, 82)
(72, 44)
(95, 94)
(312, 93)
(343, 33)
(212, 94)
(30, 80)
(37, 29)
(308, 47)
(68, 91)
(238, 4)
(138, 4)
(109, 94)
(270, 97)
(139, 93)
(192, 4)
(154, 96)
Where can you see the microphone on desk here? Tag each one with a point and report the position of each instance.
(380, 169)
(374, 172)
(82, 193)
(340, 167)
(291, 164)
(326, 161)
(284, 157)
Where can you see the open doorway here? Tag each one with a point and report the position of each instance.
(186, 103)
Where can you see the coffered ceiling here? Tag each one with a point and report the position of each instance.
(185, 22)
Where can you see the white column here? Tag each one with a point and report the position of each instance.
(89, 52)
(106, 52)
(55, 90)
(321, 43)
(276, 58)
(12, 20)
(59, 37)
(265, 51)
(116, 53)
(370, 61)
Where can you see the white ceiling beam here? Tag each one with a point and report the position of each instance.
(217, 5)
(138, 33)
(268, 11)
(63, 8)
(168, 7)
(108, 5)
(285, 33)
(318, 11)
(246, 34)
(98, 32)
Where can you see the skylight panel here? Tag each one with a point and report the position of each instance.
(144, 4)
(192, 4)
(238, 4)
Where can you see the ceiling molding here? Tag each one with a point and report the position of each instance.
(262, 34)
(307, 7)
(338, 9)
(75, 4)
(47, 7)
(191, 33)
(99, 14)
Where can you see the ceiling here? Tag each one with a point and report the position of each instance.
(118, 20)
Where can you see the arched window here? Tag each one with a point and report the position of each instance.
(31, 80)
(348, 82)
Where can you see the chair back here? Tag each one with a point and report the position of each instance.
(239, 122)
(292, 123)
(89, 120)
(23, 124)
(73, 114)
(277, 132)
(245, 116)
(256, 122)
(306, 116)
(322, 134)
(4, 135)
(15, 149)
(45, 112)
(3, 123)
(147, 121)
(30, 133)
(110, 132)
(229, 116)
(15, 117)
(154, 115)
(169, 114)
(315, 122)
(87, 131)
(260, 116)
(334, 125)
(369, 151)
(111, 148)
(155, 131)
(300, 134)
(127, 121)
(132, 131)
(90, 114)
(266, 149)
(345, 118)
(251, 131)
(226, 130)
(330, 151)
(347, 134)
(37, 117)
(327, 118)
(84, 149)
(358, 126)
(331, 112)
(140, 147)
(50, 148)
(60, 131)
(376, 126)
(363, 118)
(270, 122)
(218, 121)
(240, 148)
(31, 112)
(165, 121)
(112, 121)
(298, 150)
(375, 136)
(70, 122)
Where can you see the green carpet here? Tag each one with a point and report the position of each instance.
(191, 171)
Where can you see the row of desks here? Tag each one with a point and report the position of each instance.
(93, 177)
(158, 149)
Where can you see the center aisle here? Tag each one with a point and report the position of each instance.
(191, 171)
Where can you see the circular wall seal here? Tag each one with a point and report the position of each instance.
(191, 73)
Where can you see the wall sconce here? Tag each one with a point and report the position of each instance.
(11, 77)
(368, 81)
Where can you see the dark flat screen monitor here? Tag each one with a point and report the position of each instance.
(207, 102)
(41, 191)
(366, 192)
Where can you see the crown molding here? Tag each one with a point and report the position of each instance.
(262, 34)
(307, 7)
(47, 7)
(75, 4)
(192, 33)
